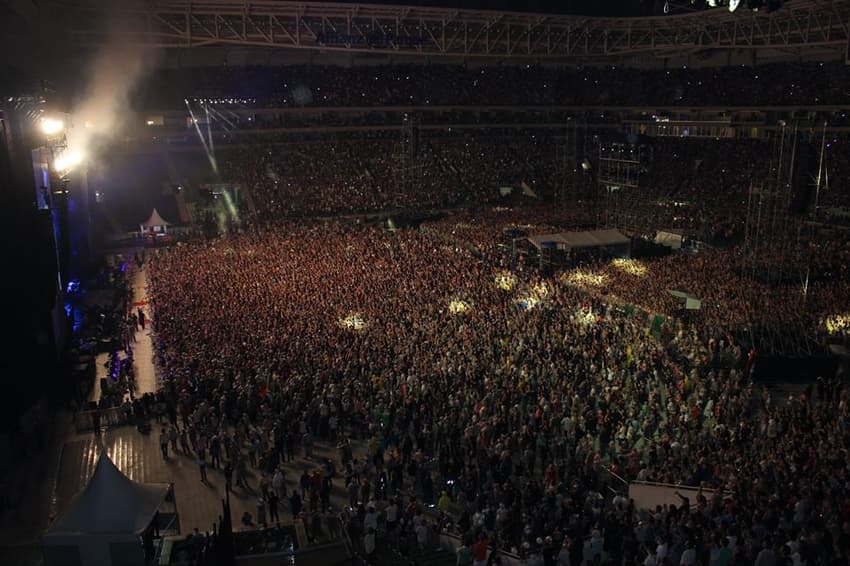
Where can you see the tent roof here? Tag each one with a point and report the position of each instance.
(111, 503)
(575, 240)
(155, 220)
(681, 294)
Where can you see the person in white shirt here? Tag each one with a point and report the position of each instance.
(369, 542)
(370, 521)
(392, 515)
(661, 551)
(689, 555)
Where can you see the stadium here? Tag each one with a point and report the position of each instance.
(437, 283)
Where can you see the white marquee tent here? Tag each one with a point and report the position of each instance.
(105, 521)
(155, 223)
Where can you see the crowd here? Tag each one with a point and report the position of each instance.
(333, 175)
(436, 84)
(513, 401)
(736, 290)
(506, 399)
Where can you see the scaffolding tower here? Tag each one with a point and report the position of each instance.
(406, 158)
(572, 149)
(772, 230)
(624, 202)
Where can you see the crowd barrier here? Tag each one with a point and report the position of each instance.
(648, 495)
(111, 417)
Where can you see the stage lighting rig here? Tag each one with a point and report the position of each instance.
(67, 160)
(51, 126)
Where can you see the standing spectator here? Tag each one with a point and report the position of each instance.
(228, 476)
(274, 501)
(202, 466)
(369, 543)
(172, 438)
(163, 443)
(295, 504)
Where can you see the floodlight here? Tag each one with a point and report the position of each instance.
(52, 126)
(68, 160)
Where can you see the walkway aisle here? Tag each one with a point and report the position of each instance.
(143, 364)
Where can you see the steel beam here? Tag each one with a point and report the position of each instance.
(407, 30)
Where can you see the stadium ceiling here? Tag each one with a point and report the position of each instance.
(799, 26)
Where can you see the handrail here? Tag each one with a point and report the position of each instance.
(614, 474)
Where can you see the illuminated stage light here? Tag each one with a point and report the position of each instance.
(68, 160)
(505, 280)
(458, 306)
(353, 321)
(630, 266)
(51, 126)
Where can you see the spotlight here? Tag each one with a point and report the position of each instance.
(68, 160)
(52, 126)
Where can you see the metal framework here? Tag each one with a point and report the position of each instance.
(400, 30)
(625, 201)
(406, 156)
(771, 226)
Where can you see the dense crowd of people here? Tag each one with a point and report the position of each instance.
(436, 84)
(514, 399)
(508, 396)
(333, 175)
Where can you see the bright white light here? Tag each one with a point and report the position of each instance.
(150, 122)
(712, 3)
(52, 126)
(68, 160)
(733, 5)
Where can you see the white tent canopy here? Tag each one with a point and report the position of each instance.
(155, 222)
(105, 520)
(670, 237)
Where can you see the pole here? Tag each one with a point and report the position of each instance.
(820, 170)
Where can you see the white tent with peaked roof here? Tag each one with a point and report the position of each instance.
(104, 522)
(155, 223)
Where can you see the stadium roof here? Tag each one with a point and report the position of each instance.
(612, 8)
